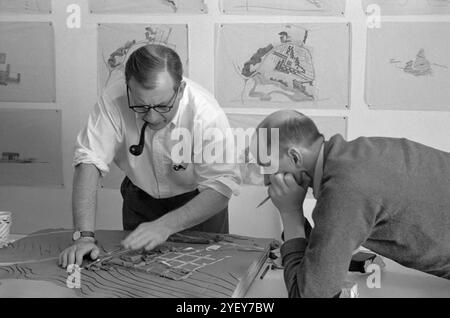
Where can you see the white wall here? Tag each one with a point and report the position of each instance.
(76, 65)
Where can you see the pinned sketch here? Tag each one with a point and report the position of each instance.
(409, 7)
(250, 172)
(30, 147)
(283, 66)
(147, 6)
(177, 268)
(116, 41)
(27, 75)
(410, 64)
(25, 6)
(283, 7)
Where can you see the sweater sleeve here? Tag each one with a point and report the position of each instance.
(318, 267)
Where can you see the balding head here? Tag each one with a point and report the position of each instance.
(294, 128)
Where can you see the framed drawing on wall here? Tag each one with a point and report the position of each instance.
(408, 66)
(117, 41)
(283, 65)
(30, 147)
(284, 7)
(147, 6)
(27, 75)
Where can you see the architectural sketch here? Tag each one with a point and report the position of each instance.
(25, 6)
(409, 7)
(30, 147)
(410, 64)
(147, 6)
(216, 265)
(280, 66)
(288, 65)
(116, 41)
(420, 66)
(298, 7)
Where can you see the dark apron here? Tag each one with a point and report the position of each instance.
(139, 207)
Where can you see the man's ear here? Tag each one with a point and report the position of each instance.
(296, 157)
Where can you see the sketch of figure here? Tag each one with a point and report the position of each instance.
(23, 5)
(5, 73)
(420, 66)
(285, 68)
(152, 35)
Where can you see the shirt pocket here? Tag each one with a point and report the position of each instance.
(182, 174)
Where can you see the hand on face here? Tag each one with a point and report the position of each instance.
(147, 235)
(286, 193)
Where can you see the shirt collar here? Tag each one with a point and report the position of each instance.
(318, 173)
(182, 105)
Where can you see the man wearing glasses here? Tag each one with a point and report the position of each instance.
(132, 125)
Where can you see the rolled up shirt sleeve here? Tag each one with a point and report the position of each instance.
(98, 141)
(221, 174)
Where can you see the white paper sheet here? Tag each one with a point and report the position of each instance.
(283, 7)
(147, 6)
(283, 66)
(30, 147)
(114, 41)
(408, 66)
(27, 62)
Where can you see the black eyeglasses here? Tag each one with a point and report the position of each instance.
(157, 108)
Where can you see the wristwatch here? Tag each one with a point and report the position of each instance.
(79, 234)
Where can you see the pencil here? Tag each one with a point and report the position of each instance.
(265, 272)
(263, 202)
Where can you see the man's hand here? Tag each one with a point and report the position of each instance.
(147, 235)
(74, 254)
(286, 194)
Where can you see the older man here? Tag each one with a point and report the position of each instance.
(133, 124)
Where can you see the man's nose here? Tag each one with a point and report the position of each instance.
(150, 116)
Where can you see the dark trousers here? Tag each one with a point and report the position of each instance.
(139, 206)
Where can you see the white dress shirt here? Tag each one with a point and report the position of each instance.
(112, 128)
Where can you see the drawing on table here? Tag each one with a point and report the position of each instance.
(167, 261)
(420, 66)
(223, 267)
(276, 66)
(25, 6)
(117, 42)
(299, 7)
(6, 76)
(147, 6)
